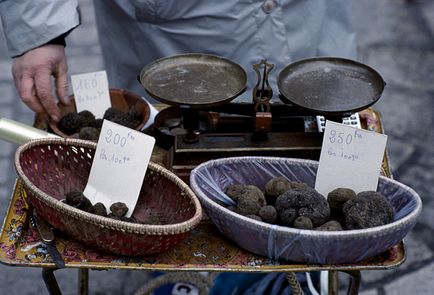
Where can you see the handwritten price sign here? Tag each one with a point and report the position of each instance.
(91, 92)
(337, 139)
(119, 166)
(350, 158)
(117, 140)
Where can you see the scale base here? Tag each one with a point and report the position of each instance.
(183, 157)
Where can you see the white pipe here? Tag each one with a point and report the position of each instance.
(19, 133)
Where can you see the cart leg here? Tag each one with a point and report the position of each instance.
(50, 281)
(333, 282)
(355, 278)
(83, 281)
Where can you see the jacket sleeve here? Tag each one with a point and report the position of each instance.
(29, 24)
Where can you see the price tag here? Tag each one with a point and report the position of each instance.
(119, 166)
(350, 158)
(91, 92)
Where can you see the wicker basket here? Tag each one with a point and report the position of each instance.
(50, 168)
(120, 99)
(210, 179)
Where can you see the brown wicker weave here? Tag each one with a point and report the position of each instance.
(50, 168)
(120, 99)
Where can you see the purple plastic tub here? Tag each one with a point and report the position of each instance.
(210, 179)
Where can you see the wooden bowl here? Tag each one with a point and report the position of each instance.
(120, 98)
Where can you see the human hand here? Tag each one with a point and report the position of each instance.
(32, 75)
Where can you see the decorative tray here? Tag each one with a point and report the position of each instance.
(204, 250)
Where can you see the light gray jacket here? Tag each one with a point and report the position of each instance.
(135, 32)
(30, 23)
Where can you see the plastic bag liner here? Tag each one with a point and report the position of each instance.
(210, 180)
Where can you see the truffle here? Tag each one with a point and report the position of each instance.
(232, 208)
(112, 216)
(255, 217)
(127, 120)
(287, 216)
(89, 133)
(367, 209)
(97, 123)
(78, 200)
(234, 190)
(268, 214)
(70, 123)
(74, 198)
(250, 200)
(247, 205)
(129, 219)
(130, 119)
(86, 118)
(99, 209)
(302, 202)
(303, 222)
(277, 186)
(74, 136)
(296, 184)
(135, 114)
(119, 209)
(331, 225)
(112, 113)
(337, 198)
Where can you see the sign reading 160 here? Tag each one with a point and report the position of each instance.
(342, 137)
(116, 138)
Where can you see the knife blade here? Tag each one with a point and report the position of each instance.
(47, 236)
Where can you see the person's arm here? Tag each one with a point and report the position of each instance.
(34, 31)
(32, 75)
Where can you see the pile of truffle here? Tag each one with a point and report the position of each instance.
(84, 125)
(297, 205)
(79, 201)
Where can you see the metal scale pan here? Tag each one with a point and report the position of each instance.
(330, 86)
(195, 80)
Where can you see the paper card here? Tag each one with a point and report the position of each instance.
(91, 92)
(153, 113)
(350, 158)
(119, 166)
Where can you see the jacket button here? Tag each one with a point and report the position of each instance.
(269, 6)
